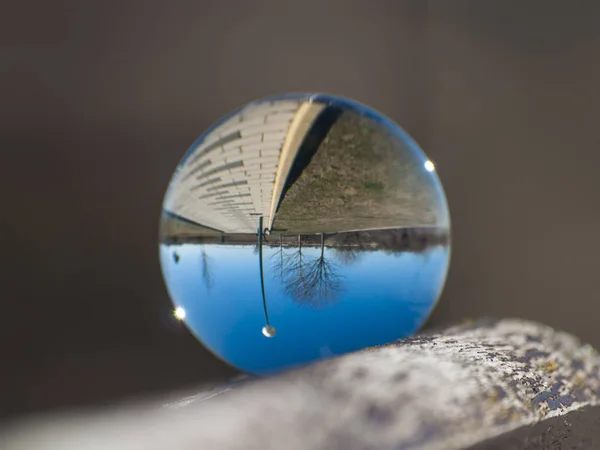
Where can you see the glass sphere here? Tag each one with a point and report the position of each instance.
(301, 227)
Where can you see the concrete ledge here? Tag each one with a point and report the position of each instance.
(506, 384)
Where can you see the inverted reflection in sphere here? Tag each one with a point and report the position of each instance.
(300, 227)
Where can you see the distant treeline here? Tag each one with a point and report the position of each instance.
(404, 239)
(398, 239)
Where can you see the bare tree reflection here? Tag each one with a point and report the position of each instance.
(347, 255)
(311, 281)
(277, 259)
(206, 271)
(293, 262)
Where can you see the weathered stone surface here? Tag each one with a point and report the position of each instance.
(482, 385)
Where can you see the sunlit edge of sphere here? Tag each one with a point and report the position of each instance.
(179, 313)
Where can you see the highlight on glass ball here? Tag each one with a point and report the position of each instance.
(302, 227)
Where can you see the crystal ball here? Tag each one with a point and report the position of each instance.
(301, 227)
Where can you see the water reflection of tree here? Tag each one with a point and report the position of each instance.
(206, 269)
(316, 281)
(347, 248)
(310, 281)
(347, 255)
(292, 260)
(277, 260)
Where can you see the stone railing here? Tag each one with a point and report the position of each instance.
(506, 384)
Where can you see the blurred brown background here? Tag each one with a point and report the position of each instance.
(99, 100)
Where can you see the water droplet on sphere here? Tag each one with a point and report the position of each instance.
(309, 220)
